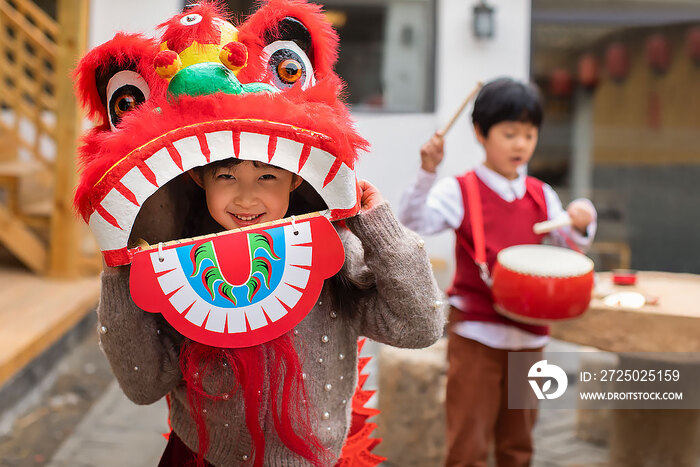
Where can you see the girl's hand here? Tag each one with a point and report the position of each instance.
(581, 215)
(370, 197)
(432, 152)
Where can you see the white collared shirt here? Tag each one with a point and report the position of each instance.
(429, 208)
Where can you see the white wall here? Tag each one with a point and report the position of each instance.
(461, 62)
(109, 16)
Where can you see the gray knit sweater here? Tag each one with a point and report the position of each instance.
(401, 307)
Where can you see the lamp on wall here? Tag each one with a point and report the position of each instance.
(484, 24)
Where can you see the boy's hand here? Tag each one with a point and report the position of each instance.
(581, 215)
(432, 152)
(371, 197)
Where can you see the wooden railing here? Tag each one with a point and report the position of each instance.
(28, 39)
(39, 126)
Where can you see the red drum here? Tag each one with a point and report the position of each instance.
(539, 284)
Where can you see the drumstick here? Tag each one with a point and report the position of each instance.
(452, 121)
(145, 246)
(548, 226)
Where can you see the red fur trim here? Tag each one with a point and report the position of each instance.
(179, 36)
(123, 51)
(316, 109)
(267, 18)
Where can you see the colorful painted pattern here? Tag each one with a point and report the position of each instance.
(263, 262)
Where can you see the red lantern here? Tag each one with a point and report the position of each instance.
(561, 83)
(658, 53)
(617, 61)
(692, 40)
(588, 71)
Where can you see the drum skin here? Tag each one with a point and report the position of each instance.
(537, 299)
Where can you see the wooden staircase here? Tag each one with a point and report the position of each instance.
(40, 123)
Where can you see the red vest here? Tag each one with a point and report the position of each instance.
(505, 224)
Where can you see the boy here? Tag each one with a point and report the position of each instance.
(506, 117)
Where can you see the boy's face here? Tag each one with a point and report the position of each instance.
(509, 145)
(247, 193)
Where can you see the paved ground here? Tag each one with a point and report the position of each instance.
(86, 421)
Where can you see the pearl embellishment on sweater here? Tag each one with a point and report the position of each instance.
(334, 315)
(341, 377)
(296, 333)
(158, 331)
(225, 425)
(103, 330)
(326, 415)
(421, 243)
(328, 387)
(244, 457)
(320, 360)
(303, 376)
(136, 368)
(341, 357)
(324, 339)
(345, 401)
(437, 304)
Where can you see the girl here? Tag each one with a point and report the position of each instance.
(285, 402)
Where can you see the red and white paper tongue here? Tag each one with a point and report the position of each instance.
(239, 288)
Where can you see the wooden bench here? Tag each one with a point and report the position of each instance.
(36, 311)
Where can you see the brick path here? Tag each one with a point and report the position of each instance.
(116, 432)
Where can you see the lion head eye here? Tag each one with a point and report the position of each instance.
(126, 90)
(191, 19)
(290, 70)
(288, 65)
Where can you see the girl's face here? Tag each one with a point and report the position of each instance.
(508, 146)
(247, 193)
